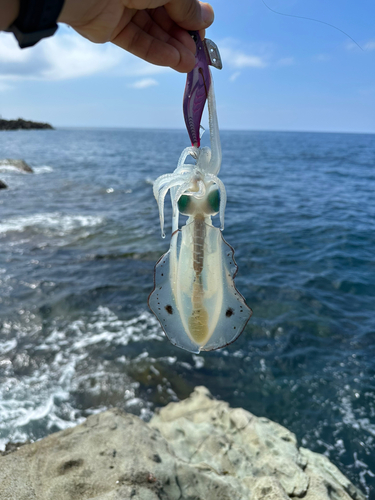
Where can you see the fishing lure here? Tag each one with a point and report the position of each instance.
(194, 295)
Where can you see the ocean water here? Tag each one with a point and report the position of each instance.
(78, 242)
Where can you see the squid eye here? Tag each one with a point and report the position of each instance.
(184, 204)
(213, 201)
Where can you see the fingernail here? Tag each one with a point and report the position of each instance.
(207, 14)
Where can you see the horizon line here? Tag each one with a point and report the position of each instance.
(178, 129)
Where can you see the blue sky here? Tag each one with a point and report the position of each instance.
(280, 73)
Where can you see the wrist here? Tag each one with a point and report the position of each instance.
(9, 10)
(37, 19)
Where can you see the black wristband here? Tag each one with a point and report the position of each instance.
(36, 20)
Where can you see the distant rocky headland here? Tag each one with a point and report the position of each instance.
(21, 124)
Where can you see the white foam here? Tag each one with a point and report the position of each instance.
(56, 222)
(349, 418)
(107, 328)
(7, 346)
(198, 361)
(37, 413)
(11, 169)
(44, 169)
(45, 395)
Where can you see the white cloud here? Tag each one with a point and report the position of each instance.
(4, 86)
(58, 58)
(67, 55)
(322, 57)
(234, 77)
(144, 83)
(366, 46)
(370, 45)
(286, 61)
(237, 59)
(71, 56)
(139, 67)
(238, 56)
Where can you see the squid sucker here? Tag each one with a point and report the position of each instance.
(194, 295)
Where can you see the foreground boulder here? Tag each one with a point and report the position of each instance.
(21, 124)
(3, 185)
(18, 164)
(198, 449)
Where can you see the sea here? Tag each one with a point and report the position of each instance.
(79, 239)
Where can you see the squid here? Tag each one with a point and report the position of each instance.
(194, 296)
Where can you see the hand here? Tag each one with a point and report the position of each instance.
(154, 30)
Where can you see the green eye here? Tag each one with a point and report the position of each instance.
(183, 204)
(213, 200)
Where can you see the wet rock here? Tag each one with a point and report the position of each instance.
(11, 447)
(326, 481)
(18, 164)
(3, 185)
(199, 448)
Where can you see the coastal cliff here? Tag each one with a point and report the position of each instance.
(199, 448)
(21, 124)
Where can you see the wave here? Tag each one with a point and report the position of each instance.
(7, 346)
(44, 169)
(55, 222)
(10, 169)
(45, 397)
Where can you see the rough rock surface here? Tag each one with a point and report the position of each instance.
(19, 164)
(198, 449)
(20, 123)
(3, 185)
(258, 458)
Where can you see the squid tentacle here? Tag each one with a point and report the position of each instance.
(215, 160)
(201, 191)
(161, 181)
(192, 151)
(180, 191)
(161, 197)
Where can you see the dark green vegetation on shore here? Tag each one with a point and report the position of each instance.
(21, 124)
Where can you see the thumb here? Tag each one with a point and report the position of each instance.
(190, 14)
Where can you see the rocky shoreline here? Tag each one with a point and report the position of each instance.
(19, 165)
(21, 124)
(16, 164)
(197, 449)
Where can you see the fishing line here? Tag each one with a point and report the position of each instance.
(316, 20)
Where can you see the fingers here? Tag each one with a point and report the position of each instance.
(154, 30)
(161, 17)
(190, 14)
(145, 39)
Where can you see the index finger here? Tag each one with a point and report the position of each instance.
(190, 14)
